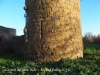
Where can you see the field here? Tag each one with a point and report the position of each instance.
(13, 64)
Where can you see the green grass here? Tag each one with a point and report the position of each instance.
(13, 64)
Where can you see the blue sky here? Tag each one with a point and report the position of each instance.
(12, 15)
(90, 16)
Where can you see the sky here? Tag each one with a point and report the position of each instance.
(90, 16)
(12, 15)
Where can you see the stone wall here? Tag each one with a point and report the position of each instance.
(53, 30)
(2, 44)
(7, 32)
(6, 38)
(18, 44)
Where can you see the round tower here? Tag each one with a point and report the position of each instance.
(53, 30)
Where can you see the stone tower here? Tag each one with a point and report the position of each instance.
(53, 30)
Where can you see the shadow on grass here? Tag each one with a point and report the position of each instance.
(11, 56)
(92, 46)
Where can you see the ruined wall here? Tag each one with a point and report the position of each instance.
(7, 32)
(53, 30)
(18, 44)
(6, 37)
(2, 44)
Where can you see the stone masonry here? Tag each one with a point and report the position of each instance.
(53, 30)
(18, 44)
(6, 35)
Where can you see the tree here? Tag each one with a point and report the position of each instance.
(88, 37)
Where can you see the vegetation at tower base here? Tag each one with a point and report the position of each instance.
(13, 64)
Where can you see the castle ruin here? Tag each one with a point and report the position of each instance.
(53, 30)
(6, 35)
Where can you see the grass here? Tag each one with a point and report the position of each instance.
(13, 64)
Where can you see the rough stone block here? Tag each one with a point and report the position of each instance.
(44, 15)
(48, 27)
(52, 46)
(59, 14)
(47, 1)
(60, 9)
(47, 18)
(50, 5)
(43, 23)
(65, 6)
(71, 3)
(45, 6)
(40, 19)
(47, 10)
(57, 23)
(49, 35)
(61, 1)
(54, 9)
(54, 18)
(64, 14)
(59, 38)
(67, 10)
(62, 19)
(50, 22)
(70, 7)
(50, 14)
